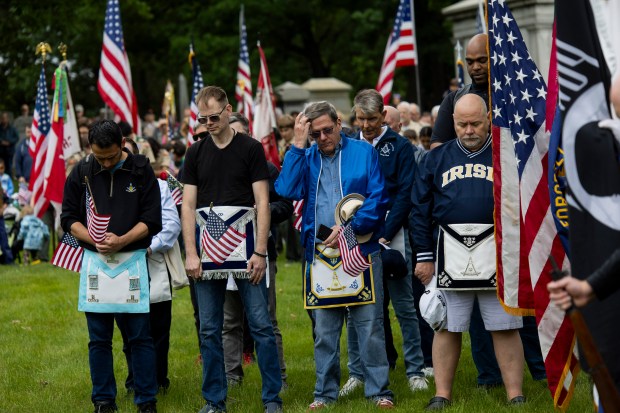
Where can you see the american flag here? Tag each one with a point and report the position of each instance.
(353, 262)
(68, 255)
(198, 84)
(97, 224)
(401, 49)
(298, 207)
(243, 89)
(176, 187)
(114, 82)
(525, 231)
(38, 146)
(218, 239)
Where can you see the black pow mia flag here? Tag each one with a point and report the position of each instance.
(592, 169)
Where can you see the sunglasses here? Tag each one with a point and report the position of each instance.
(326, 131)
(213, 118)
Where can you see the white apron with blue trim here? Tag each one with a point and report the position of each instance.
(117, 283)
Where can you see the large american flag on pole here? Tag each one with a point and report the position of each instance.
(97, 224)
(114, 82)
(68, 255)
(218, 239)
(243, 89)
(353, 262)
(38, 146)
(526, 235)
(197, 84)
(401, 49)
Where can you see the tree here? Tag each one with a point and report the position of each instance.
(341, 38)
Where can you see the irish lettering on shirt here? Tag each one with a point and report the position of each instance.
(469, 170)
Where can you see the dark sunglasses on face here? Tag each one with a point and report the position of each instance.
(326, 132)
(213, 118)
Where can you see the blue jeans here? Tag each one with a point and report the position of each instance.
(136, 327)
(210, 296)
(401, 294)
(368, 321)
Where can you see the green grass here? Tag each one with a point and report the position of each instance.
(44, 357)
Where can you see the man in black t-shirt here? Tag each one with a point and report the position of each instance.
(477, 60)
(223, 172)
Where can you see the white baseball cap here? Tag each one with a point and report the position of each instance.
(433, 308)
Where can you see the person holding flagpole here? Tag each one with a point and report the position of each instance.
(226, 193)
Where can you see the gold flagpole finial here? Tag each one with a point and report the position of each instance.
(43, 49)
(62, 48)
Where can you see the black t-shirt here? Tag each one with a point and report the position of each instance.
(225, 176)
(443, 131)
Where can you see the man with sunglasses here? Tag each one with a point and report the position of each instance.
(227, 193)
(323, 175)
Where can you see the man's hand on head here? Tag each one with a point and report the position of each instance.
(301, 131)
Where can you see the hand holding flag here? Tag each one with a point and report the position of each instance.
(353, 262)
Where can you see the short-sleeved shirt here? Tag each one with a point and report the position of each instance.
(225, 176)
(443, 131)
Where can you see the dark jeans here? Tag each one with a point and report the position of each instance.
(484, 355)
(160, 316)
(426, 332)
(136, 328)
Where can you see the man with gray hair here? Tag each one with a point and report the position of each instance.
(397, 160)
(335, 172)
(454, 192)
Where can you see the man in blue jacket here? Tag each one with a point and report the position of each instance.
(396, 157)
(321, 176)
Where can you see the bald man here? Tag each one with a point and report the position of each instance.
(454, 188)
(477, 60)
(392, 118)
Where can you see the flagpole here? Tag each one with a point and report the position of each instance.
(417, 57)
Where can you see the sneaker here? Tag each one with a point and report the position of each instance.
(209, 409)
(317, 405)
(234, 381)
(105, 407)
(273, 408)
(350, 386)
(418, 383)
(384, 403)
(148, 407)
(428, 372)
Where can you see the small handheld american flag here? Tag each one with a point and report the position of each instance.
(353, 262)
(68, 255)
(176, 187)
(96, 224)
